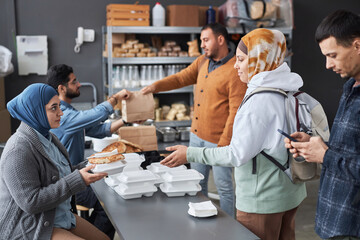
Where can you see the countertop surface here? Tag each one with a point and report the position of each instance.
(160, 217)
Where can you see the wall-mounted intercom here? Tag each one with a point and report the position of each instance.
(83, 35)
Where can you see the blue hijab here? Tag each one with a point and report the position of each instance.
(29, 106)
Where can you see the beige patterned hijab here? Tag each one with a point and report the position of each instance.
(265, 49)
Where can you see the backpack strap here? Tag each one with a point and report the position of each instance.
(261, 90)
(274, 161)
(254, 165)
(271, 90)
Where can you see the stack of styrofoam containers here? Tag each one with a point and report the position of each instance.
(160, 169)
(135, 184)
(179, 183)
(133, 162)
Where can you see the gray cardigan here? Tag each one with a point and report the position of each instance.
(30, 188)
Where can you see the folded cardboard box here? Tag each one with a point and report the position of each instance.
(182, 15)
(5, 126)
(145, 136)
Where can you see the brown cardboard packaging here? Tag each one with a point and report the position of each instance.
(2, 94)
(182, 15)
(5, 125)
(145, 136)
(138, 107)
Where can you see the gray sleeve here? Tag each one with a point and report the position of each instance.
(33, 182)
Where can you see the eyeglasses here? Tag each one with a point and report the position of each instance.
(74, 82)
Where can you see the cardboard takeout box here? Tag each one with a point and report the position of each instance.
(145, 136)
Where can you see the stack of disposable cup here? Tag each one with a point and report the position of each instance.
(135, 184)
(179, 183)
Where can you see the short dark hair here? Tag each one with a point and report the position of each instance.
(217, 29)
(58, 75)
(343, 25)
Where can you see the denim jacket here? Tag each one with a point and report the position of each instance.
(74, 125)
(338, 211)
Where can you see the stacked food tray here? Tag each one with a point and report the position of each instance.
(135, 184)
(179, 183)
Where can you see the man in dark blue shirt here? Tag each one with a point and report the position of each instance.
(338, 209)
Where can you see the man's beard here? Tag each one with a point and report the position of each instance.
(72, 94)
(214, 53)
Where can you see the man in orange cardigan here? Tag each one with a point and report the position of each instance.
(218, 94)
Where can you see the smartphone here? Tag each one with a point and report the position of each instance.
(287, 135)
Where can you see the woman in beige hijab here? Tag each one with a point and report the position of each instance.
(266, 199)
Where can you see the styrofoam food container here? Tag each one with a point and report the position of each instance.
(134, 157)
(126, 189)
(109, 168)
(133, 161)
(132, 168)
(179, 193)
(100, 143)
(188, 175)
(127, 193)
(187, 187)
(158, 168)
(111, 180)
(137, 178)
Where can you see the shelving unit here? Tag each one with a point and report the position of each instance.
(108, 62)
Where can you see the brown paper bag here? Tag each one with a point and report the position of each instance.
(138, 107)
(145, 136)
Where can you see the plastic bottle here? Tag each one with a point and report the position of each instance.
(135, 80)
(144, 76)
(210, 15)
(117, 83)
(158, 15)
(124, 76)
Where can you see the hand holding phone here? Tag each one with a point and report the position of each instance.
(287, 135)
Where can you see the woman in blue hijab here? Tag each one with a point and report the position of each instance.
(37, 181)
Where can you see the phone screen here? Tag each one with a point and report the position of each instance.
(287, 135)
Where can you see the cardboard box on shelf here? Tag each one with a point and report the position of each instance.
(145, 136)
(2, 94)
(117, 40)
(5, 126)
(182, 15)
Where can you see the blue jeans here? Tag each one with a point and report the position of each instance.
(222, 177)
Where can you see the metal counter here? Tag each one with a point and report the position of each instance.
(160, 217)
